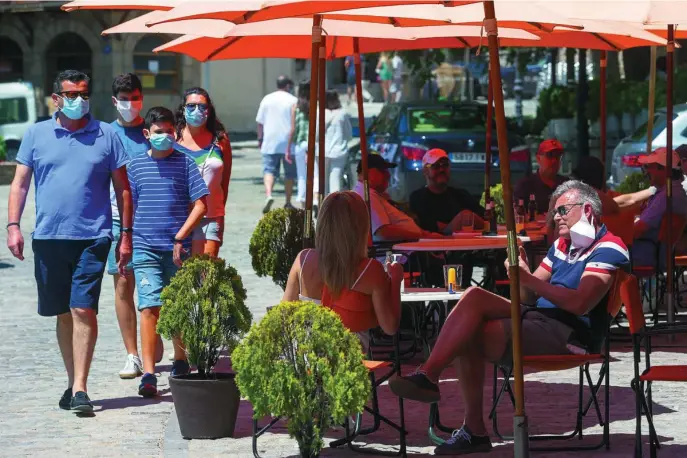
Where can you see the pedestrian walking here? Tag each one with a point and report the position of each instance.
(127, 98)
(338, 134)
(385, 74)
(396, 87)
(202, 137)
(170, 200)
(274, 127)
(72, 158)
(298, 140)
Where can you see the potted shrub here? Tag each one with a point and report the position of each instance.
(205, 305)
(301, 363)
(634, 182)
(276, 241)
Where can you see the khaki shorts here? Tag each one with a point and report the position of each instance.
(541, 335)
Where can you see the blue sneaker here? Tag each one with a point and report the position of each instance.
(180, 367)
(148, 386)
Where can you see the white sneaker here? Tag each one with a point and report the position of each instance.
(269, 200)
(133, 367)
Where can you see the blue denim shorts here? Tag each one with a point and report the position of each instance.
(270, 164)
(111, 259)
(69, 274)
(210, 229)
(153, 270)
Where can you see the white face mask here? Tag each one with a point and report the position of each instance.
(129, 109)
(582, 233)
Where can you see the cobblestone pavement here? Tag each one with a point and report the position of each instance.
(33, 378)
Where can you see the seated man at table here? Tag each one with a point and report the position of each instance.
(572, 285)
(388, 222)
(439, 207)
(545, 180)
(648, 225)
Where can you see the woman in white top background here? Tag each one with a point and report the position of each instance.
(338, 134)
(202, 137)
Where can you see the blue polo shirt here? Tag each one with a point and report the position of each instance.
(72, 172)
(606, 254)
(134, 143)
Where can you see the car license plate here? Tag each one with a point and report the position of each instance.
(468, 158)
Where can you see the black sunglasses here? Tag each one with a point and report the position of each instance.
(200, 106)
(73, 95)
(563, 210)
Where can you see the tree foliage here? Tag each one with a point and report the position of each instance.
(3, 149)
(632, 183)
(205, 305)
(300, 362)
(276, 241)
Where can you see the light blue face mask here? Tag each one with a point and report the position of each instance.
(196, 117)
(161, 142)
(75, 109)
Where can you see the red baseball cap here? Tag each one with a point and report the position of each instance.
(550, 146)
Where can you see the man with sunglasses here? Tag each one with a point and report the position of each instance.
(546, 179)
(648, 225)
(571, 288)
(72, 157)
(439, 207)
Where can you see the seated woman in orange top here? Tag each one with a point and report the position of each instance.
(339, 275)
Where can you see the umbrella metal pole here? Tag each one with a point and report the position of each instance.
(670, 49)
(312, 122)
(602, 110)
(321, 123)
(489, 128)
(520, 427)
(361, 124)
(652, 99)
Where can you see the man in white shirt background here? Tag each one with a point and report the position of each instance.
(274, 126)
(396, 88)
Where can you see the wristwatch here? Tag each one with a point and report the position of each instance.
(178, 241)
(127, 229)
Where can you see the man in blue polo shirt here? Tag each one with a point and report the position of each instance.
(572, 285)
(72, 158)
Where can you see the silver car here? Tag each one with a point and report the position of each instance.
(626, 154)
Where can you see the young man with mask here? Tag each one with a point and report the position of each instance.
(72, 157)
(439, 207)
(648, 225)
(545, 180)
(170, 200)
(571, 288)
(127, 98)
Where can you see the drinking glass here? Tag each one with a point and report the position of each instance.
(459, 275)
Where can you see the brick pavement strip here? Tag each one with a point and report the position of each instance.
(33, 377)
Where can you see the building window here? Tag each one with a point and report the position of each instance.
(159, 72)
(11, 61)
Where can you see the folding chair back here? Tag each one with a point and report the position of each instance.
(629, 293)
(621, 225)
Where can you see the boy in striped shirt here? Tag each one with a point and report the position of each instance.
(165, 184)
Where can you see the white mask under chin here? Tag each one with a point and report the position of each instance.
(582, 233)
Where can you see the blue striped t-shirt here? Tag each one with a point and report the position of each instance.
(163, 190)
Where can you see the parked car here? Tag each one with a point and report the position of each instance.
(405, 131)
(626, 155)
(17, 113)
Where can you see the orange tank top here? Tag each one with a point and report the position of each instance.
(353, 307)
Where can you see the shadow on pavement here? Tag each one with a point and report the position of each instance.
(5, 265)
(131, 401)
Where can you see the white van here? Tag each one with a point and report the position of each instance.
(17, 113)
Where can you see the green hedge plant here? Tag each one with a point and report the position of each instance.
(205, 305)
(276, 241)
(632, 183)
(300, 362)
